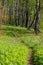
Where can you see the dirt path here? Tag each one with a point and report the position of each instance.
(29, 61)
(29, 58)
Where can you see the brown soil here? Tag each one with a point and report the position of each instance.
(29, 60)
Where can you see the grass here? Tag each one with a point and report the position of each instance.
(12, 52)
(38, 55)
(20, 39)
(23, 35)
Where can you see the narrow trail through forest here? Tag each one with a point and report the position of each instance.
(29, 60)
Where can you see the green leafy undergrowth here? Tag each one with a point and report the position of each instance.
(38, 55)
(13, 42)
(13, 54)
(27, 37)
(14, 31)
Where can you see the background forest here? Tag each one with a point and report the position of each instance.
(21, 32)
(18, 12)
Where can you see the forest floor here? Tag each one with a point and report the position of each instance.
(29, 60)
(21, 35)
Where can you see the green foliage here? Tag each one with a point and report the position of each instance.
(13, 54)
(12, 45)
(23, 35)
(38, 55)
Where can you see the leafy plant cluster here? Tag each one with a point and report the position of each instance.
(13, 54)
(38, 55)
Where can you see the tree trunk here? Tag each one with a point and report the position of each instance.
(17, 14)
(26, 13)
(26, 18)
(37, 16)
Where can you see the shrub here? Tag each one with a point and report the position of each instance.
(13, 54)
(38, 55)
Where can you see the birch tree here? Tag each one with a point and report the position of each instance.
(36, 17)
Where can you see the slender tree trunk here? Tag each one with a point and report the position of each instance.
(0, 14)
(37, 16)
(26, 13)
(22, 12)
(17, 14)
(26, 18)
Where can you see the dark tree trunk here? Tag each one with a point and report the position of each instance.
(26, 13)
(36, 17)
(17, 14)
(22, 14)
(26, 19)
